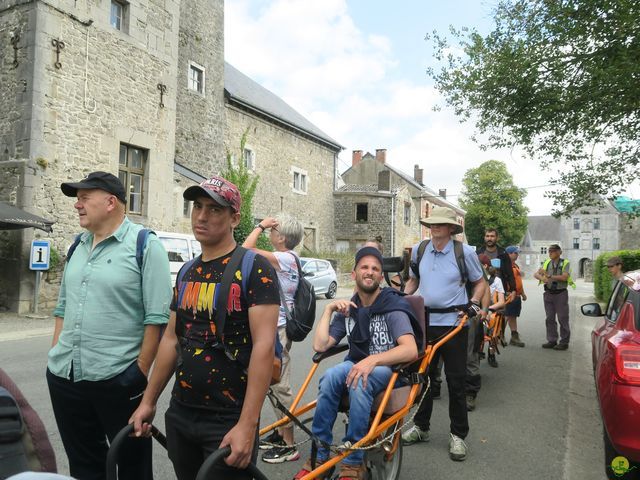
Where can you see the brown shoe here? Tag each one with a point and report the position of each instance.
(307, 469)
(515, 340)
(352, 472)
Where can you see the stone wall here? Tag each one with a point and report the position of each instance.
(406, 235)
(378, 218)
(201, 117)
(277, 152)
(629, 233)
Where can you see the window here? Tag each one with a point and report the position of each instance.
(543, 250)
(596, 223)
(196, 78)
(596, 244)
(300, 181)
(362, 212)
(249, 158)
(576, 224)
(617, 301)
(117, 15)
(407, 214)
(186, 208)
(131, 173)
(576, 243)
(342, 246)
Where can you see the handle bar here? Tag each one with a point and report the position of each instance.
(218, 456)
(116, 444)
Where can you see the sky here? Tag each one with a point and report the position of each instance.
(357, 70)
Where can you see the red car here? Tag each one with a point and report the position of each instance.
(615, 342)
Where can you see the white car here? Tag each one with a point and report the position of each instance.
(181, 247)
(321, 275)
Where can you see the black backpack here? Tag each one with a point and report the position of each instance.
(300, 319)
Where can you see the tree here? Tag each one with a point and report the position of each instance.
(247, 182)
(560, 79)
(493, 201)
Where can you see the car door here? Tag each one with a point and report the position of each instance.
(311, 273)
(323, 275)
(605, 327)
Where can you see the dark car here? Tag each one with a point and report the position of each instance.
(615, 343)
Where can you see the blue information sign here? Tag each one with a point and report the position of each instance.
(40, 254)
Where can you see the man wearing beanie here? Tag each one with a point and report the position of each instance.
(379, 325)
(111, 307)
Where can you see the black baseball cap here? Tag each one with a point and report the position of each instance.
(102, 180)
(366, 251)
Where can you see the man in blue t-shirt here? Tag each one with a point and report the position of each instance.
(445, 298)
(379, 326)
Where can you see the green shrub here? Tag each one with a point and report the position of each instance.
(601, 276)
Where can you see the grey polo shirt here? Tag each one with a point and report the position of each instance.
(440, 280)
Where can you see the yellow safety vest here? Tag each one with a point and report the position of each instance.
(563, 263)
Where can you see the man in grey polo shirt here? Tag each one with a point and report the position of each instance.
(107, 327)
(445, 297)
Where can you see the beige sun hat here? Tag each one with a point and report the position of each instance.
(443, 215)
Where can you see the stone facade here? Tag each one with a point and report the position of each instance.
(278, 153)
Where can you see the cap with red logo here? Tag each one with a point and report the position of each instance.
(221, 190)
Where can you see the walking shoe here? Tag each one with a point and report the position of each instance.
(352, 472)
(491, 360)
(273, 440)
(415, 434)
(561, 346)
(435, 392)
(457, 448)
(471, 403)
(515, 340)
(549, 345)
(281, 454)
(307, 469)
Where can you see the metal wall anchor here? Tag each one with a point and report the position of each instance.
(163, 90)
(14, 41)
(59, 44)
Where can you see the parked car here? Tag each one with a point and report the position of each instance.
(321, 275)
(180, 247)
(615, 343)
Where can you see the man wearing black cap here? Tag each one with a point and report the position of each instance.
(379, 325)
(107, 324)
(555, 275)
(221, 378)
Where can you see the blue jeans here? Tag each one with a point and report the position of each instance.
(332, 387)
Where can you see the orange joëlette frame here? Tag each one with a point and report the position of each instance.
(378, 426)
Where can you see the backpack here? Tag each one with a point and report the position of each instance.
(300, 319)
(244, 258)
(141, 243)
(459, 253)
(24, 443)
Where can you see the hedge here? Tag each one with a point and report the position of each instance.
(601, 276)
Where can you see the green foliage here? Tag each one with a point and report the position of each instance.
(247, 183)
(559, 78)
(601, 276)
(54, 258)
(342, 261)
(493, 201)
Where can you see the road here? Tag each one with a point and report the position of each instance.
(536, 414)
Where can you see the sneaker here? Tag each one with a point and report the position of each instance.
(515, 340)
(549, 345)
(352, 472)
(457, 448)
(435, 393)
(273, 440)
(415, 434)
(561, 346)
(281, 455)
(471, 403)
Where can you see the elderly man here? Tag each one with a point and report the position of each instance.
(107, 326)
(438, 277)
(555, 275)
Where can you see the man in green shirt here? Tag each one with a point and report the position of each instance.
(108, 321)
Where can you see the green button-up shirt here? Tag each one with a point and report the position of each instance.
(106, 300)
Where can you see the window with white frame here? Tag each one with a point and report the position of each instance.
(196, 78)
(576, 243)
(131, 171)
(117, 15)
(596, 223)
(543, 250)
(596, 243)
(407, 213)
(249, 158)
(300, 180)
(576, 224)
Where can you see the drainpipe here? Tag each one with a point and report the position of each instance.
(393, 223)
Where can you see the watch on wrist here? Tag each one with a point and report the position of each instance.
(260, 227)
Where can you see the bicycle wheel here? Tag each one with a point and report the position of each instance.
(383, 466)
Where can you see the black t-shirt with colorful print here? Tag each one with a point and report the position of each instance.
(205, 376)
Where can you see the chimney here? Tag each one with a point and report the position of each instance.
(381, 155)
(384, 181)
(356, 157)
(443, 193)
(417, 174)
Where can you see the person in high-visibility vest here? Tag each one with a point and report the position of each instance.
(555, 275)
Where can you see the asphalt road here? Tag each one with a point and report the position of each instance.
(536, 415)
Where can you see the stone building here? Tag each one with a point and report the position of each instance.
(377, 199)
(134, 88)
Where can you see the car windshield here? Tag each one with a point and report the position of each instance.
(303, 262)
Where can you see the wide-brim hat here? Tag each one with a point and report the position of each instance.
(440, 215)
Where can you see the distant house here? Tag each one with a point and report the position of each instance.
(377, 199)
(542, 231)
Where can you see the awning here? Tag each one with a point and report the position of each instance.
(13, 218)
